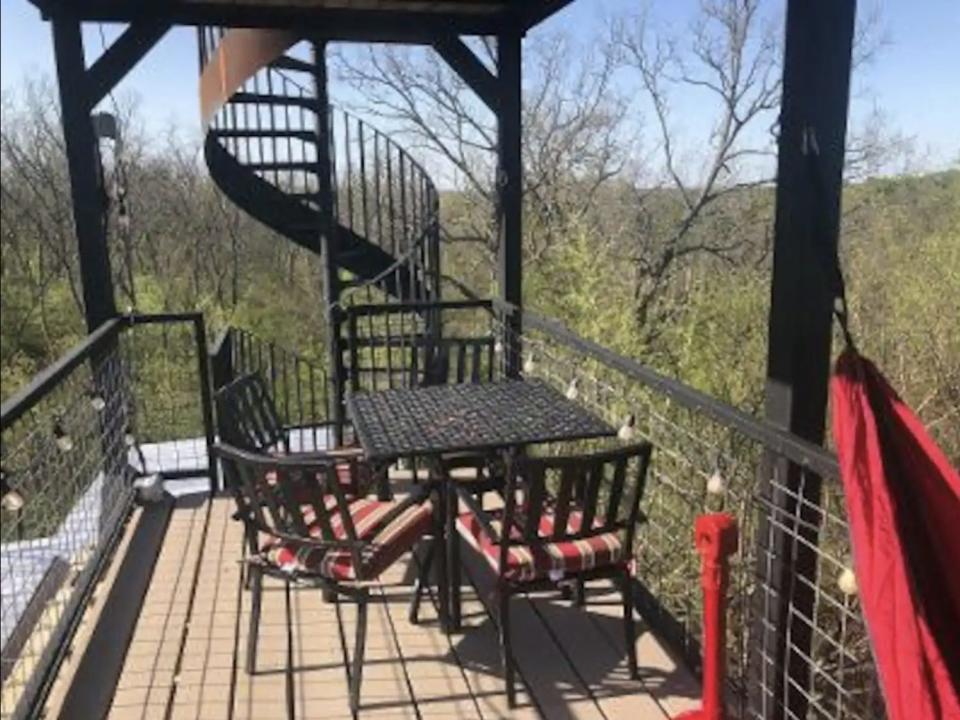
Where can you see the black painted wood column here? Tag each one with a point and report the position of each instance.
(813, 124)
(510, 189)
(83, 164)
(329, 236)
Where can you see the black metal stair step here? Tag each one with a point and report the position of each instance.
(281, 165)
(285, 62)
(305, 135)
(249, 98)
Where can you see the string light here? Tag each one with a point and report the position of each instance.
(498, 348)
(715, 484)
(96, 400)
(62, 437)
(572, 391)
(847, 581)
(12, 500)
(529, 365)
(628, 430)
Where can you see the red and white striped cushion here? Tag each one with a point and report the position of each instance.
(386, 542)
(547, 558)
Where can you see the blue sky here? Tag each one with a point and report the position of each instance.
(915, 79)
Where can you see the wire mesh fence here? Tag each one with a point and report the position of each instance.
(797, 644)
(74, 441)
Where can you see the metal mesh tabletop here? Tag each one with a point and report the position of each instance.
(450, 418)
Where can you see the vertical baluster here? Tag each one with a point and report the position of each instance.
(349, 162)
(363, 181)
(404, 237)
(376, 189)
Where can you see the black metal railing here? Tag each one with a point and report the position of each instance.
(711, 456)
(298, 384)
(117, 407)
(380, 194)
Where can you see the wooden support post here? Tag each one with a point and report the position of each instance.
(329, 236)
(813, 122)
(510, 191)
(83, 164)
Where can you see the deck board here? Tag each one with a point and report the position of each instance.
(187, 657)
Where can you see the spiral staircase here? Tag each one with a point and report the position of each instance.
(262, 117)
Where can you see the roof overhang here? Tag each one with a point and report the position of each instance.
(361, 20)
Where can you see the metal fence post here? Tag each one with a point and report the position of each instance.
(206, 398)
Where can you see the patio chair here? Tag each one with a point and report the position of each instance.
(455, 360)
(324, 538)
(247, 418)
(564, 520)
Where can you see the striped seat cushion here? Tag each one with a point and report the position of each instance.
(386, 542)
(547, 558)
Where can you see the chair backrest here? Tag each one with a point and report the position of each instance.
(276, 496)
(399, 345)
(457, 360)
(247, 417)
(586, 495)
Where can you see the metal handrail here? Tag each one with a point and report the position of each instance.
(780, 441)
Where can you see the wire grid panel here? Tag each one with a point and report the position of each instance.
(67, 489)
(701, 465)
(167, 418)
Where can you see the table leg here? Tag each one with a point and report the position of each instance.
(453, 556)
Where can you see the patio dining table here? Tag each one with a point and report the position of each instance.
(446, 419)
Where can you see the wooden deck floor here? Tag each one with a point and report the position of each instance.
(187, 655)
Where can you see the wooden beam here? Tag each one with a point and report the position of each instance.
(83, 164)
(510, 189)
(125, 52)
(473, 72)
(329, 232)
(813, 123)
(330, 23)
(543, 9)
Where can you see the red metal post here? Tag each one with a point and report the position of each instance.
(715, 537)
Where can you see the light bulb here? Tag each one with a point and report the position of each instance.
(498, 348)
(715, 484)
(847, 581)
(63, 439)
(12, 500)
(97, 402)
(628, 429)
(529, 365)
(572, 391)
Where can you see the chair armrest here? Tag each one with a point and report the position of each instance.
(482, 516)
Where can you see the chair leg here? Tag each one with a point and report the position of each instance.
(288, 601)
(629, 627)
(256, 598)
(356, 672)
(453, 559)
(423, 580)
(579, 594)
(443, 582)
(506, 649)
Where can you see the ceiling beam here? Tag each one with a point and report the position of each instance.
(340, 24)
(125, 52)
(473, 72)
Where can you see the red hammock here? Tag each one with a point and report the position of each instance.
(903, 503)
